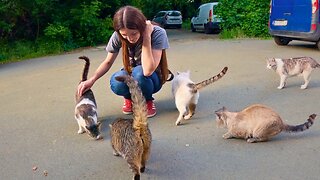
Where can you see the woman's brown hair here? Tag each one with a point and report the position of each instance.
(132, 18)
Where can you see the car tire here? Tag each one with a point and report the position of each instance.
(281, 41)
(318, 44)
(192, 28)
(207, 30)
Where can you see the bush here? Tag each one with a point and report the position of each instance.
(247, 16)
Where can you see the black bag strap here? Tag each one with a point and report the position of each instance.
(171, 76)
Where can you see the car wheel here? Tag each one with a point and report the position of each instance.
(318, 44)
(281, 41)
(192, 28)
(207, 30)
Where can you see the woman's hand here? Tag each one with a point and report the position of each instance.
(148, 30)
(84, 86)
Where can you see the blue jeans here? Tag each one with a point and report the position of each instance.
(148, 84)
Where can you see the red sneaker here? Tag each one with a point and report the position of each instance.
(151, 109)
(127, 106)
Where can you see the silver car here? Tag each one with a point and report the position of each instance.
(168, 19)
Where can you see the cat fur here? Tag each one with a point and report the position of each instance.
(131, 138)
(256, 123)
(298, 66)
(86, 108)
(186, 93)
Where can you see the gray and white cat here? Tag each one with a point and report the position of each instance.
(186, 92)
(131, 138)
(86, 108)
(302, 66)
(256, 123)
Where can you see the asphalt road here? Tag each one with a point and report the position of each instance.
(39, 140)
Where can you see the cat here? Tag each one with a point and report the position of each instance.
(86, 108)
(302, 66)
(131, 138)
(256, 123)
(186, 93)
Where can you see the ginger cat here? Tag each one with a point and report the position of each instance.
(256, 123)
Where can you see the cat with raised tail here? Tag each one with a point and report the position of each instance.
(298, 66)
(186, 92)
(131, 138)
(256, 123)
(86, 108)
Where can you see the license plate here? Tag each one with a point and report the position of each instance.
(280, 23)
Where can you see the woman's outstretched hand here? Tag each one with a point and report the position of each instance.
(84, 86)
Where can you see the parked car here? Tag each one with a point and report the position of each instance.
(168, 19)
(206, 20)
(294, 20)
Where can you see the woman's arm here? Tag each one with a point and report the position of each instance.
(150, 58)
(102, 69)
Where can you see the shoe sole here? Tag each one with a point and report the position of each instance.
(151, 115)
(127, 112)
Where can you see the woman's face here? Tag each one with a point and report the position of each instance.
(132, 35)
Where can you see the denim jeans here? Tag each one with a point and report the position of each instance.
(148, 84)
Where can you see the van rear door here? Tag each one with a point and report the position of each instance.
(291, 15)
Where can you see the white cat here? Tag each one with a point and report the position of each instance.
(302, 66)
(186, 92)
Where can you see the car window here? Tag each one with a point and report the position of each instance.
(174, 13)
(160, 14)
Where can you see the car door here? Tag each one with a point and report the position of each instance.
(291, 15)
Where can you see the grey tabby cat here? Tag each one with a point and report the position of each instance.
(302, 66)
(256, 123)
(186, 92)
(86, 108)
(131, 138)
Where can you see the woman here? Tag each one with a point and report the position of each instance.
(143, 47)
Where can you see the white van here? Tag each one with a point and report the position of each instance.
(205, 19)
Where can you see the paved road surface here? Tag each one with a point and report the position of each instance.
(38, 129)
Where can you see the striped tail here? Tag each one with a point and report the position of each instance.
(139, 106)
(85, 68)
(301, 127)
(205, 83)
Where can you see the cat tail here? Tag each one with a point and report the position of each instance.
(85, 68)
(301, 127)
(139, 106)
(204, 83)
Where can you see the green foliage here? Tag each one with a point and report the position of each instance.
(89, 29)
(248, 16)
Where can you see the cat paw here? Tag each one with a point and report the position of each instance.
(280, 87)
(187, 117)
(115, 153)
(142, 169)
(178, 123)
(227, 136)
(303, 87)
(80, 131)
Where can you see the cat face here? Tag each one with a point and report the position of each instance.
(94, 130)
(221, 118)
(271, 63)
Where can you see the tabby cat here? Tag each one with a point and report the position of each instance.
(302, 66)
(131, 138)
(86, 108)
(256, 123)
(186, 92)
